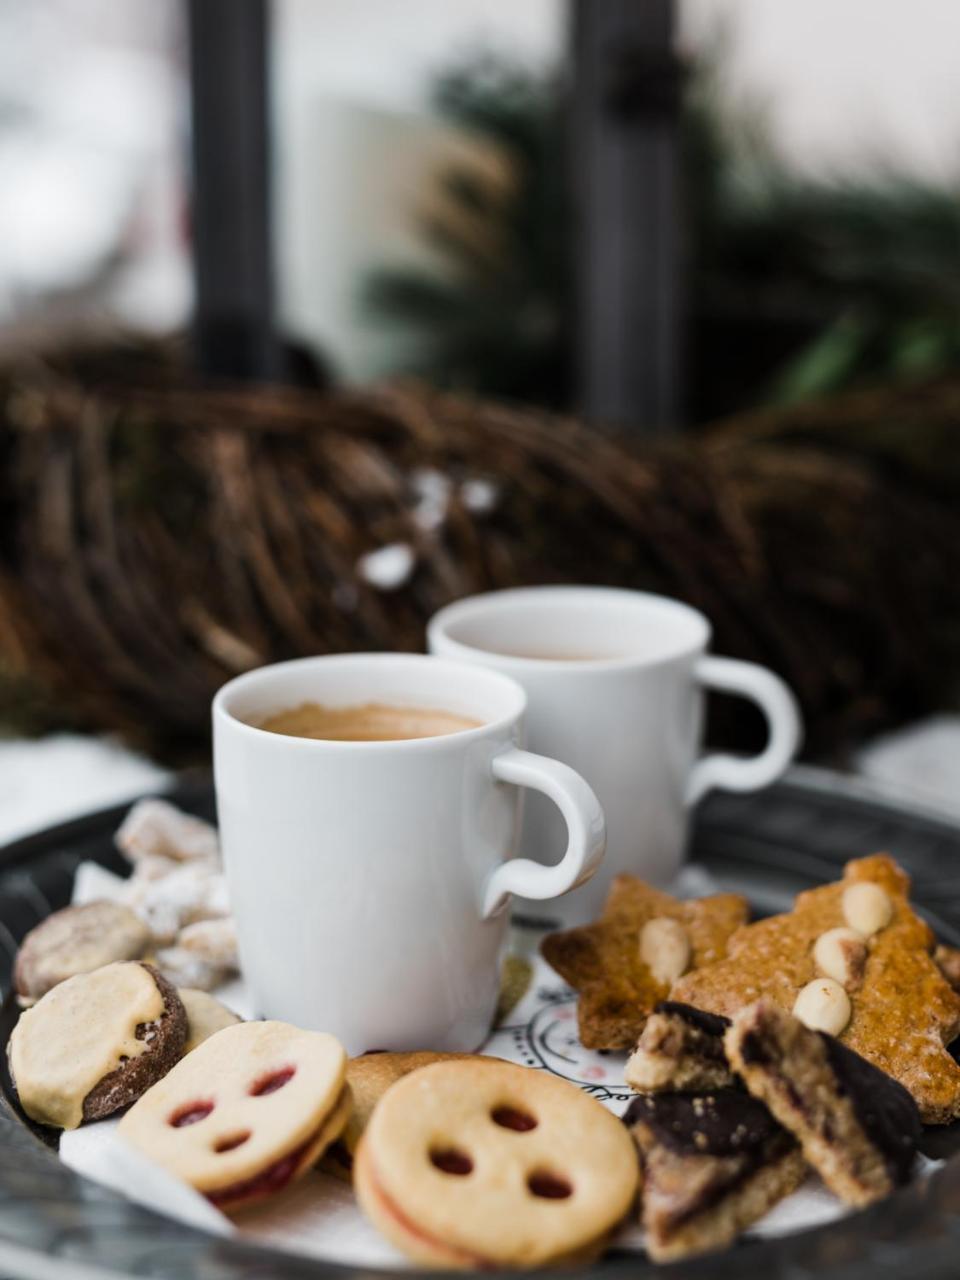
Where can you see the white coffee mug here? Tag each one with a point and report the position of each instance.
(368, 878)
(615, 683)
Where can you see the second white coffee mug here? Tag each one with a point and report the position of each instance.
(615, 682)
(368, 878)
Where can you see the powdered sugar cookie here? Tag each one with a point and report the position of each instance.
(156, 827)
(77, 940)
(246, 1113)
(205, 1016)
(194, 891)
(95, 1043)
(188, 969)
(487, 1164)
(214, 941)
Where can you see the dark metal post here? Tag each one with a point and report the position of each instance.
(625, 167)
(234, 329)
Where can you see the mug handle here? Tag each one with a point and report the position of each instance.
(586, 831)
(775, 700)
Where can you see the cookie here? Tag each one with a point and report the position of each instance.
(486, 1164)
(76, 940)
(205, 1016)
(245, 1114)
(95, 1043)
(712, 1165)
(188, 969)
(193, 891)
(625, 963)
(156, 828)
(214, 941)
(680, 1048)
(886, 999)
(369, 1077)
(948, 962)
(857, 1127)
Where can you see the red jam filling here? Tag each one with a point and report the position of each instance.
(272, 1082)
(511, 1118)
(266, 1183)
(192, 1113)
(548, 1186)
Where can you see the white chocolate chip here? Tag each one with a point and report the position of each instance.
(841, 954)
(866, 907)
(823, 1005)
(665, 948)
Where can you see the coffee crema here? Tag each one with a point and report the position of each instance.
(367, 722)
(538, 655)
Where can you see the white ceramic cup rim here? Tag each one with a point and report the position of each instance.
(503, 692)
(442, 627)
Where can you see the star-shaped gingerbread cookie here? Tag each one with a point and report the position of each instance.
(624, 963)
(851, 959)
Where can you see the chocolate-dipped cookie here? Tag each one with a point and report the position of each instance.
(680, 1048)
(713, 1164)
(857, 1127)
(95, 1043)
(77, 940)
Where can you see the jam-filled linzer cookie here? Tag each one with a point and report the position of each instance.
(712, 1165)
(77, 940)
(851, 959)
(624, 964)
(468, 1164)
(95, 1043)
(857, 1127)
(245, 1114)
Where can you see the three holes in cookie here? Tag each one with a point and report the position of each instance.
(272, 1081)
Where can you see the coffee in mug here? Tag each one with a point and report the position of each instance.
(368, 871)
(369, 722)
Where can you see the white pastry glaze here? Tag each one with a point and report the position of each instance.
(77, 1034)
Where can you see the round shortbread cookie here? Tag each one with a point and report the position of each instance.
(77, 940)
(472, 1163)
(205, 1016)
(246, 1113)
(95, 1043)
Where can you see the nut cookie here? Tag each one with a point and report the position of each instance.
(245, 1114)
(625, 963)
(369, 1077)
(205, 1016)
(896, 1009)
(712, 1165)
(486, 1164)
(857, 1127)
(95, 1043)
(76, 940)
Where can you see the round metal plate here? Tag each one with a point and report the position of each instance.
(797, 834)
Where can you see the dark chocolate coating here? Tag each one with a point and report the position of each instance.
(711, 1024)
(723, 1123)
(885, 1110)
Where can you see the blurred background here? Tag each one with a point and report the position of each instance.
(315, 315)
